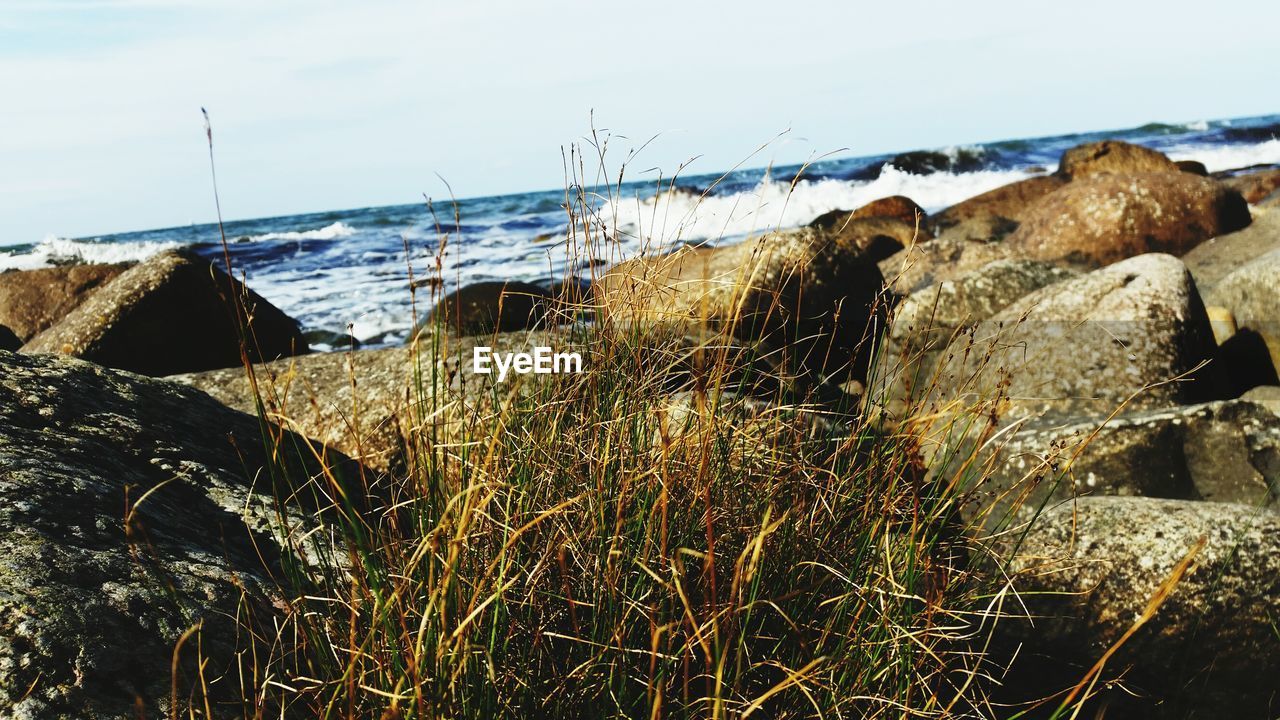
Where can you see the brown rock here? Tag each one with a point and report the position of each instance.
(1220, 256)
(1255, 186)
(996, 213)
(32, 300)
(797, 289)
(895, 206)
(1105, 218)
(1195, 167)
(876, 238)
(494, 306)
(170, 314)
(1112, 157)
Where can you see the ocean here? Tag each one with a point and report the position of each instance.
(347, 271)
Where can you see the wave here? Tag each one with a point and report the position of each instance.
(62, 251)
(685, 217)
(332, 231)
(1230, 157)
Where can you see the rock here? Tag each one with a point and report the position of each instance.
(167, 315)
(1087, 570)
(1106, 218)
(796, 289)
(32, 300)
(1242, 362)
(489, 307)
(1218, 257)
(895, 206)
(128, 514)
(995, 213)
(1195, 167)
(8, 340)
(1252, 295)
(1113, 157)
(1083, 346)
(1225, 451)
(1267, 396)
(1255, 186)
(1222, 322)
(1270, 201)
(927, 162)
(935, 261)
(874, 238)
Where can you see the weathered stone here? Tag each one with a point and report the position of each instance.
(1268, 396)
(489, 307)
(1227, 451)
(995, 213)
(1252, 294)
(1112, 157)
(169, 314)
(1087, 571)
(129, 514)
(1195, 167)
(32, 300)
(1106, 218)
(875, 238)
(1085, 345)
(798, 290)
(927, 162)
(895, 206)
(1218, 257)
(945, 258)
(1255, 186)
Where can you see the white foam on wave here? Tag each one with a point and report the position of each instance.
(684, 217)
(332, 231)
(1230, 157)
(55, 250)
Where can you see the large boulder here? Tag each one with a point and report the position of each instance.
(1113, 157)
(1252, 294)
(1087, 345)
(938, 260)
(492, 306)
(874, 238)
(895, 206)
(1255, 186)
(1106, 218)
(995, 213)
(799, 290)
(133, 510)
(1088, 570)
(175, 312)
(32, 300)
(1218, 257)
(1225, 451)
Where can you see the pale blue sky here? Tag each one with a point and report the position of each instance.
(321, 105)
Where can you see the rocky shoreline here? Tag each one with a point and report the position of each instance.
(1114, 327)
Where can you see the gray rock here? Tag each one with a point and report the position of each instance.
(1252, 294)
(1267, 396)
(1218, 257)
(1088, 569)
(935, 261)
(33, 300)
(1083, 346)
(1227, 451)
(127, 516)
(170, 314)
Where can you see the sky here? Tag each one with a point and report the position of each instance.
(324, 105)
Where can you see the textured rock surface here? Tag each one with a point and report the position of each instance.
(488, 307)
(126, 517)
(1085, 345)
(169, 314)
(32, 300)
(1218, 257)
(1112, 157)
(895, 206)
(1225, 451)
(875, 238)
(945, 258)
(1091, 567)
(1106, 218)
(1252, 294)
(1255, 186)
(789, 286)
(1000, 209)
